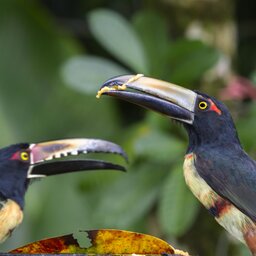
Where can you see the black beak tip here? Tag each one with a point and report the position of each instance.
(120, 168)
(124, 155)
(110, 83)
(116, 80)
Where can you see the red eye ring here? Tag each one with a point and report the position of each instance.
(23, 156)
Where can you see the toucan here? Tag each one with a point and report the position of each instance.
(216, 168)
(23, 162)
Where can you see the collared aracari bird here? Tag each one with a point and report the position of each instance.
(216, 168)
(20, 163)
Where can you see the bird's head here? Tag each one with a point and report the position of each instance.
(206, 119)
(19, 163)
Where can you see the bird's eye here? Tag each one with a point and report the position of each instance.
(202, 105)
(24, 156)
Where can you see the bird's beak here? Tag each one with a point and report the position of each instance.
(44, 156)
(163, 97)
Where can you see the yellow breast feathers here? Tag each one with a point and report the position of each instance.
(10, 217)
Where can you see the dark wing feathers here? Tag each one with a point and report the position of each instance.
(232, 174)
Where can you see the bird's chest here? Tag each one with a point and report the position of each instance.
(10, 217)
(197, 185)
(227, 215)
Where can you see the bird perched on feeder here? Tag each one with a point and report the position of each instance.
(20, 163)
(216, 168)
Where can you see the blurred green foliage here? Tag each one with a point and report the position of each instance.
(48, 83)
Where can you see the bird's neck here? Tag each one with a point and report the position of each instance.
(13, 190)
(224, 138)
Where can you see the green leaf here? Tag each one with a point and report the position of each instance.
(178, 207)
(253, 77)
(243, 250)
(130, 197)
(157, 145)
(154, 38)
(188, 60)
(34, 100)
(117, 35)
(8, 133)
(36, 106)
(63, 210)
(68, 207)
(244, 125)
(86, 73)
(32, 50)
